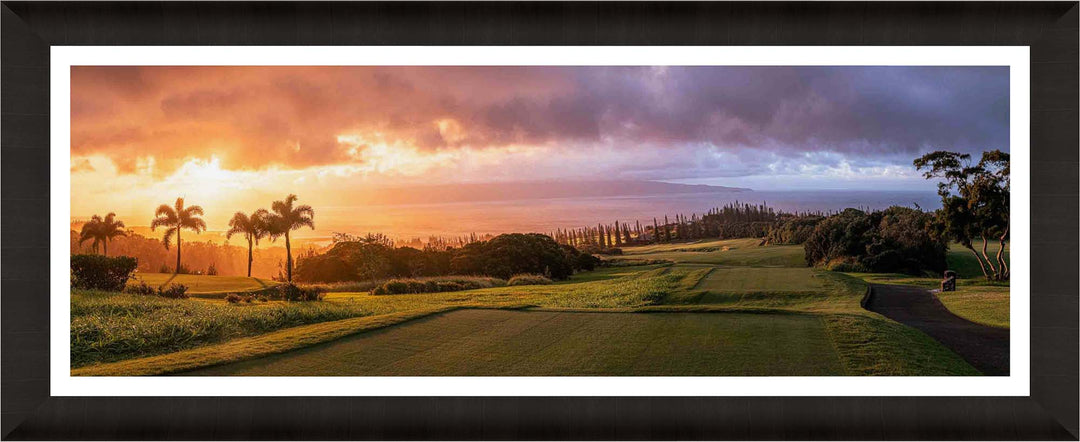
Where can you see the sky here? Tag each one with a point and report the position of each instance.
(233, 138)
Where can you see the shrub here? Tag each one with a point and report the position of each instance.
(174, 291)
(436, 285)
(249, 299)
(262, 298)
(212, 270)
(232, 298)
(293, 293)
(96, 272)
(894, 240)
(529, 279)
(142, 288)
(164, 269)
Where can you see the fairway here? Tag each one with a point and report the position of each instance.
(760, 279)
(546, 343)
(204, 284)
(728, 252)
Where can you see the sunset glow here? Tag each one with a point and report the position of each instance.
(235, 138)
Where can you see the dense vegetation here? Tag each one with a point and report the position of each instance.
(372, 258)
(99, 272)
(895, 240)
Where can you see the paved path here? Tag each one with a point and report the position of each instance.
(985, 348)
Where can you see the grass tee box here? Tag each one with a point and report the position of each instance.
(204, 284)
(547, 343)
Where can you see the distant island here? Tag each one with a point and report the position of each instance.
(531, 190)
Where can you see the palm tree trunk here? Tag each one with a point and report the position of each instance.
(288, 257)
(177, 269)
(249, 257)
(105, 250)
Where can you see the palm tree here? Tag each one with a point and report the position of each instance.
(90, 232)
(253, 228)
(102, 231)
(285, 218)
(175, 219)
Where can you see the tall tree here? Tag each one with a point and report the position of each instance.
(979, 208)
(285, 218)
(175, 219)
(254, 228)
(101, 231)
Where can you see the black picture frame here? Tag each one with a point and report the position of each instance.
(30, 28)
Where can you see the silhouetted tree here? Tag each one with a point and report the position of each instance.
(285, 218)
(253, 227)
(101, 231)
(175, 219)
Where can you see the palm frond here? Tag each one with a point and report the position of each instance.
(166, 238)
(193, 210)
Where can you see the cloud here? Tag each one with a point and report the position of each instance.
(671, 122)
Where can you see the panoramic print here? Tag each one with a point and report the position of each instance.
(540, 221)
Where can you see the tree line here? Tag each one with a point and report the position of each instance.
(283, 217)
(734, 220)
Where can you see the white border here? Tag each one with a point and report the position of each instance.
(62, 384)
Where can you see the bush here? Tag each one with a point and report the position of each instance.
(174, 291)
(894, 240)
(164, 269)
(212, 270)
(293, 293)
(96, 272)
(232, 298)
(436, 285)
(142, 288)
(528, 279)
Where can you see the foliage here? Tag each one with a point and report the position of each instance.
(436, 285)
(101, 231)
(253, 227)
(294, 293)
(792, 229)
(370, 259)
(528, 279)
(212, 270)
(174, 219)
(142, 288)
(897, 239)
(979, 208)
(232, 298)
(173, 291)
(284, 217)
(510, 254)
(98, 272)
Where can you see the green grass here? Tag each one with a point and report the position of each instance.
(728, 252)
(108, 327)
(516, 343)
(985, 305)
(870, 344)
(961, 260)
(204, 284)
(769, 288)
(112, 326)
(767, 315)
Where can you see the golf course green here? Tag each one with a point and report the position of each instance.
(720, 307)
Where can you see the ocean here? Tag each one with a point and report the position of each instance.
(545, 215)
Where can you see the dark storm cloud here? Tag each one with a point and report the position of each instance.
(292, 116)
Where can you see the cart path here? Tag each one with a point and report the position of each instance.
(985, 348)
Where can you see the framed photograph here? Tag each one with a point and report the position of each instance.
(540, 221)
